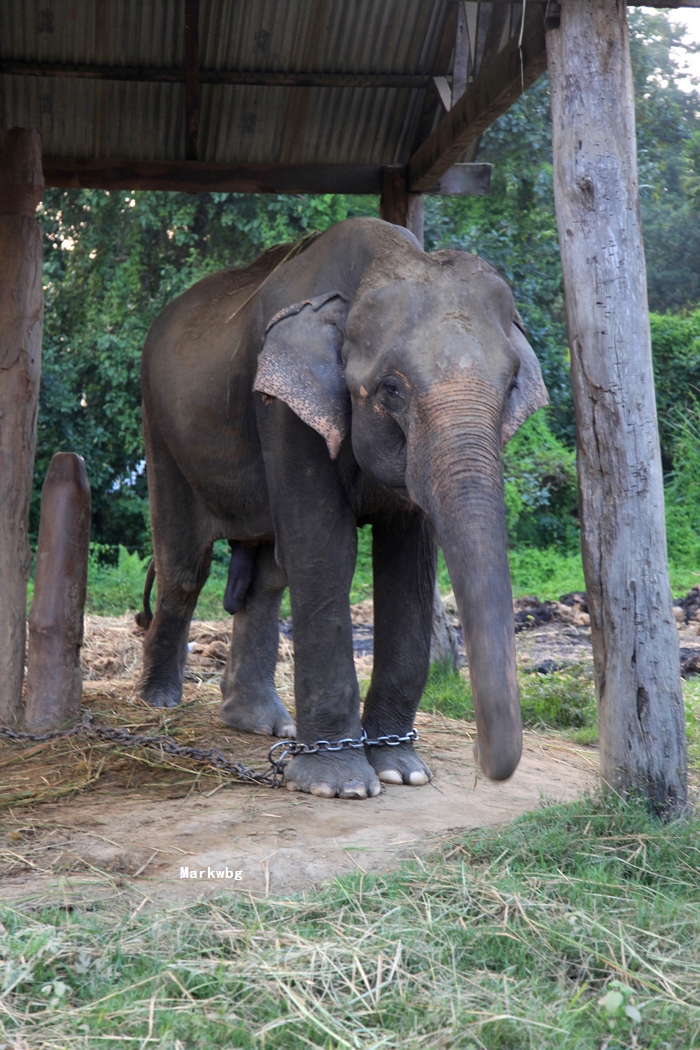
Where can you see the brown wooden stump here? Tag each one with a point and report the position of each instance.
(635, 642)
(54, 678)
(21, 321)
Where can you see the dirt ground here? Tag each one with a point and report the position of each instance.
(279, 842)
(138, 828)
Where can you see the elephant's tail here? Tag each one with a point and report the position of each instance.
(145, 617)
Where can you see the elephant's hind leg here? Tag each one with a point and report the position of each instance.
(250, 700)
(182, 532)
(404, 558)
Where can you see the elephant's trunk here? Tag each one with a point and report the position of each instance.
(455, 475)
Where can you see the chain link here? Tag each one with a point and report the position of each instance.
(211, 756)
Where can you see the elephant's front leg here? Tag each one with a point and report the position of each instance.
(316, 537)
(404, 558)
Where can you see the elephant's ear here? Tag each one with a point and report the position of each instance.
(530, 392)
(301, 364)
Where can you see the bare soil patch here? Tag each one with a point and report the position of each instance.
(90, 818)
(141, 821)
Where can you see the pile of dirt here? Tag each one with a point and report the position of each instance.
(570, 609)
(689, 606)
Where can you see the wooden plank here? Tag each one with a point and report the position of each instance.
(21, 321)
(497, 86)
(201, 177)
(191, 79)
(464, 179)
(250, 78)
(635, 640)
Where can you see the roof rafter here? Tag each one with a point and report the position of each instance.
(497, 86)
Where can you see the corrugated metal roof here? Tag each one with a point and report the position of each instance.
(98, 118)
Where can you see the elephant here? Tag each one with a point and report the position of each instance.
(347, 379)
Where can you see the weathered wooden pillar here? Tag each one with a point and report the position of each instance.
(21, 321)
(54, 677)
(635, 642)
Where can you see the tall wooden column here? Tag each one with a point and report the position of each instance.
(635, 641)
(21, 321)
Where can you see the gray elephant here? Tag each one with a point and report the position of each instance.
(350, 379)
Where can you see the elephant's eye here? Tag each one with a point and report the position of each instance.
(391, 387)
(513, 386)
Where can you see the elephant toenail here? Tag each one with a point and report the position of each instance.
(355, 789)
(418, 777)
(390, 776)
(323, 789)
(375, 789)
(291, 785)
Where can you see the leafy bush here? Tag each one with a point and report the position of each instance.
(540, 487)
(115, 589)
(561, 700)
(675, 341)
(683, 497)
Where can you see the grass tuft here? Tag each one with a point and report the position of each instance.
(574, 927)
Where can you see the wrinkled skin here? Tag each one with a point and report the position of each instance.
(359, 381)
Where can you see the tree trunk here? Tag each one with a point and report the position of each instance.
(623, 535)
(54, 677)
(21, 321)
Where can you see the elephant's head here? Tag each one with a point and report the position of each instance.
(429, 372)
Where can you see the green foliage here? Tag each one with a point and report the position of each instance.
(675, 341)
(546, 572)
(540, 933)
(115, 589)
(561, 700)
(540, 487)
(683, 496)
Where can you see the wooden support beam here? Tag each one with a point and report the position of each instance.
(54, 677)
(21, 321)
(201, 177)
(393, 203)
(496, 87)
(635, 641)
(248, 78)
(191, 79)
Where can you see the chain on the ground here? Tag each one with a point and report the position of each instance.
(272, 777)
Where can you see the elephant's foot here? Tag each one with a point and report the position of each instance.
(160, 694)
(399, 765)
(264, 714)
(341, 774)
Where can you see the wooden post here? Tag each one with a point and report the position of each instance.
(635, 642)
(21, 321)
(54, 678)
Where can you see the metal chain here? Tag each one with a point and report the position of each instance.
(211, 756)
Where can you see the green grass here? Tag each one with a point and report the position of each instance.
(563, 700)
(538, 935)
